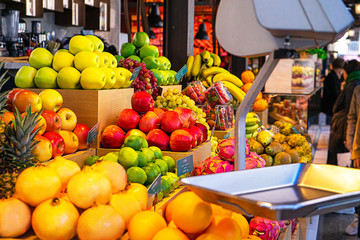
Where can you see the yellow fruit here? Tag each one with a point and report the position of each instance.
(55, 219)
(15, 217)
(110, 77)
(40, 57)
(103, 60)
(210, 236)
(172, 224)
(125, 204)
(89, 187)
(114, 172)
(127, 75)
(170, 233)
(51, 99)
(139, 191)
(37, 184)
(61, 60)
(247, 76)
(85, 59)
(227, 227)
(100, 222)
(80, 43)
(219, 211)
(144, 225)
(228, 77)
(24, 77)
(252, 237)
(243, 223)
(169, 211)
(191, 214)
(92, 78)
(120, 79)
(98, 44)
(260, 105)
(112, 59)
(65, 169)
(246, 87)
(68, 77)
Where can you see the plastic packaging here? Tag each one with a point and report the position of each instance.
(195, 91)
(217, 94)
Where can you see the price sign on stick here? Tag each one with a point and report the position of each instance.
(181, 73)
(94, 131)
(155, 187)
(184, 165)
(135, 73)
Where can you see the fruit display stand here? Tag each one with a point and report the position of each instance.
(165, 88)
(79, 157)
(222, 134)
(161, 206)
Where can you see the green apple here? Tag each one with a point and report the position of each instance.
(118, 57)
(92, 78)
(68, 77)
(127, 75)
(80, 43)
(127, 49)
(136, 58)
(120, 79)
(61, 60)
(85, 59)
(51, 100)
(40, 57)
(149, 50)
(46, 78)
(151, 62)
(140, 39)
(160, 78)
(24, 77)
(172, 74)
(110, 77)
(164, 63)
(98, 44)
(166, 76)
(104, 60)
(112, 60)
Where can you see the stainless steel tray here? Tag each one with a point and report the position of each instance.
(281, 192)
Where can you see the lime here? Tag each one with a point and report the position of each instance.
(140, 39)
(111, 156)
(144, 142)
(91, 160)
(153, 165)
(157, 152)
(165, 187)
(160, 196)
(127, 49)
(162, 165)
(151, 174)
(171, 181)
(134, 57)
(150, 156)
(136, 175)
(128, 157)
(170, 163)
(133, 141)
(118, 57)
(142, 159)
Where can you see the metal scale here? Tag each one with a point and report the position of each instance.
(277, 28)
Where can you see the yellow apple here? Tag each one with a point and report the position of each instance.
(71, 141)
(40, 57)
(92, 78)
(127, 74)
(80, 43)
(98, 44)
(24, 77)
(41, 125)
(110, 77)
(112, 59)
(120, 79)
(43, 150)
(51, 100)
(68, 119)
(68, 77)
(84, 60)
(46, 78)
(62, 59)
(104, 60)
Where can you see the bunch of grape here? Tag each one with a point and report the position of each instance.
(172, 98)
(214, 144)
(145, 81)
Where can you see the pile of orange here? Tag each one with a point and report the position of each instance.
(248, 78)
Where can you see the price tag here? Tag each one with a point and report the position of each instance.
(181, 73)
(155, 187)
(135, 73)
(94, 131)
(295, 131)
(184, 165)
(227, 135)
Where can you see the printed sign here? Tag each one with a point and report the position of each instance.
(135, 73)
(181, 73)
(94, 131)
(184, 165)
(155, 187)
(227, 135)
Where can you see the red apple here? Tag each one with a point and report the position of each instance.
(199, 134)
(188, 116)
(204, 130)
(71, 141)
(10, 97)
(142, 102)
(57, 143)
(43, 150)
(136, 132)
(149, 122)
(128, 119)
(171, 121)
(82, 132)
(194, 135)
(68, 119)
(53, 121)
(112, 137)
(159, 111)
(181, 141)
(23, 99)
(158, 138)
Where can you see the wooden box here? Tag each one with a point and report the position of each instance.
(221, 134)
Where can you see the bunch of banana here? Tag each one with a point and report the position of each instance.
(252, 125)
(196, 64)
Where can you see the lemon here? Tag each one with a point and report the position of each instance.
(80, 43)
(68, 77)
(92, 78)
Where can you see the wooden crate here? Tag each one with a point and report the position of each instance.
(220, 134)
(165, 88)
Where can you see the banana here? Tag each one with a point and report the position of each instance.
(251, 115)
(210, 62)
(196, 66)
(189, 65)
(216, 58)
(228, 77)
(254, 134)
(248, 135)
(234, 90)
(205, 84)
(213, 71)
(251, 129)
(209, 79)
(205, 55)
(251, 121)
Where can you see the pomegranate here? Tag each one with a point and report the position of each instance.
(114, 172)
(142, 102)
(65, 169)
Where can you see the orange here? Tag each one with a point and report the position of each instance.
(169, 211)
(247, 76)
(243, 223)
(219, 211)
(170, 233)
(191, 214)
(172, 224)
(210, 236)
(227, 227)
(145, 225)
(252, 237)
(259, 96)
(260, 105)
(246, 87)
